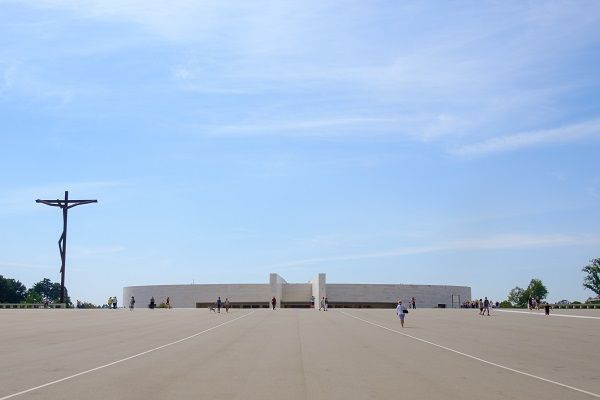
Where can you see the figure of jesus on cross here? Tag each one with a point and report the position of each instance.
(62, 241)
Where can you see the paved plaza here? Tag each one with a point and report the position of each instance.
(298, 354)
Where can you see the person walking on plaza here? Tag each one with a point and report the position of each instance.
(547, 308)
(326, 302)
(227, 305)
(414, 303)
(219, 305)
(168, 303)
(322, 304)
(401, 312)
(273, 302)
(115, 302)
(486, 307)
(131, 303)
(480, 307)
(109, 302)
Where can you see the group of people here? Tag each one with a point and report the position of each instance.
(533, 303)
(477, 304)
(484, 305)
(323, 304)
(152, 304)
(112, 302)
(219, 303)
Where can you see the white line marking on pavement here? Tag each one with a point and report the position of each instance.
(122, 360)
(475, 358)
(551, 315)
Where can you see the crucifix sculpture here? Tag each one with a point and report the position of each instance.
(62, 242)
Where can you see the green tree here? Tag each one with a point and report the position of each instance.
(49, 291)
(517, 297)
(537, 290)
(11, 291)
(592, 279)
(33, 297)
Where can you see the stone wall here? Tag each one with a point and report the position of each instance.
(187, 296)
(427, 296)
(296, 292)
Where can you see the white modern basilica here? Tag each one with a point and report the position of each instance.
(300, 295)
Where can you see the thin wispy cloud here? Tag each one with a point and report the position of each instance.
(316, 126)
(18, 79)
(526, 140)
(500, 242)
(16, 265)
(229, 114)
(459, 80)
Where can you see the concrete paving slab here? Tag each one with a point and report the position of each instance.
(296, 354)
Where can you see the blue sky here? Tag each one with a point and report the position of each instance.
(378, 142)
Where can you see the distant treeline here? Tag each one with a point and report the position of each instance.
(13, 291)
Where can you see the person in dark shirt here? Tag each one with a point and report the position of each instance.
(486, 307)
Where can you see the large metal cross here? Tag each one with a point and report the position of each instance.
(62, 242)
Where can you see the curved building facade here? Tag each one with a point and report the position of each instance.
(300, 295)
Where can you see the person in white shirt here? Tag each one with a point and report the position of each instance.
(401, 311)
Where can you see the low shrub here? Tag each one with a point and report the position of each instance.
(85, 304)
